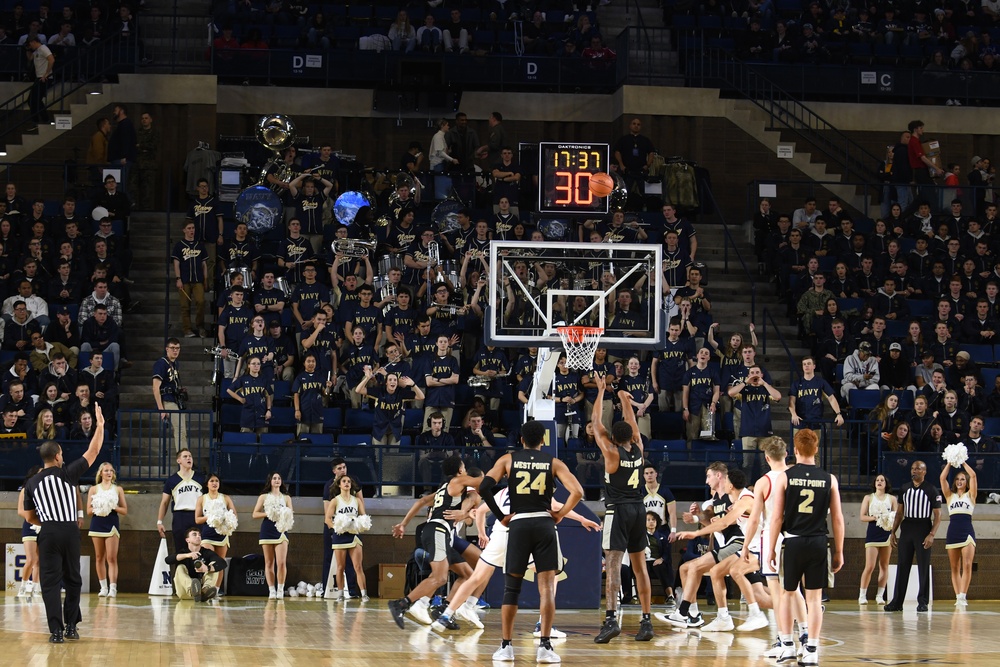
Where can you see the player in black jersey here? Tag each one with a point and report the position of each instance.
(625, 518)
(804, 495)
(531, 525)
(450, 501)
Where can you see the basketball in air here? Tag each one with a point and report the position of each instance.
(601, 184)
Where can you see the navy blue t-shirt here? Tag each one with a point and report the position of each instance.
(309, 387)
(809, 396)
(755, 412)
(672, 363)
(441, 368)
(701, 384)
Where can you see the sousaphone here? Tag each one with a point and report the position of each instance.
(259, 206)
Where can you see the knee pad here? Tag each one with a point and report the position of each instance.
(511, 589)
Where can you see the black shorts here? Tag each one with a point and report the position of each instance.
(756, 578)
(532, 537)
(436, 541)
(625, 528)
(805, 557)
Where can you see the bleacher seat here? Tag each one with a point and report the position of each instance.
(989, 378)
(921, 308)
(666, 425)
(684, 22)
(333, 420)
(980, 354)
(238, 438)
(991, 426)
(231, 416)
(864, 399)
(896, 328)
(282, 420)
(413, 420)
(354, 440)
(282, 392)
(274, 438)
(359, 420)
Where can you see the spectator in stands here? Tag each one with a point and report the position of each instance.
(206, 213)
(113, 200)
(191, 270)
(435, 445)
(993, 400)
(308, 392)
(970, 398)
(103, 388)
(536, 36)
(64, 330)
(429, 35)
(12, 423)
(100, 334)
(16, 399)
(955, 373)
(60, 375)
(387, 425)
(952, 420)
(83, 427)
(860, 371)
(50, 400)
(97, 151)
(804, 218)
(813, 302)
(402, 33)
(295, 252)
(441, 377)
(256, 342)
(456, 37)
(895, 371)
(64, 289)
(253, 392)
(321, 339)
(755, 394)
(37, 308)
(168, 392)
(700, 396)
(234, 325)
(284, 352)
(42, 61)
(267, 298)
(309, 296)
(42, 352)
(359, 358)
(669, 366)
(597, 54)
(792, 260)
(18, 329)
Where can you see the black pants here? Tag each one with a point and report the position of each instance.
(179, 524)
(37, 102)
(911, 541)
(59, 563)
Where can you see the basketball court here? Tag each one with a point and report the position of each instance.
(140, 630)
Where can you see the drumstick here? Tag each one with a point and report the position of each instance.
(181, 290)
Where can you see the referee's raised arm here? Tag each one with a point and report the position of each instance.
(97, 441)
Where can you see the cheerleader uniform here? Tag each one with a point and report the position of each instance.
(346, 540)
(269, 532)
(876, 536)
(210, 536)
(28, 534)
(105, 526)
(960, 531)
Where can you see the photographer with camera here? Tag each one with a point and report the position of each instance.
(189, 578)
(170, 397)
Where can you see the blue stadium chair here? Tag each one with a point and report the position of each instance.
(851, 304)
(727, 44)
(828, 264)
(333, 420)
(237, 438)
(864, 225)
(236, 463)
(666, 425)
(274, 438)
(319, 439)
(989, 377)
(282, 420)
(354, 440)
(896, 328)
(706, 451)
(231, 416)
(413, 420)
(385, 15)
(981, 354)
(511, 420)
(359, 14)
(864, 399)
(886, 53)
(358, 421)
(735, 23)
(905, 399)
(345, 37)
(282, 392)
(921, 308)
(860, 52)
(710, 22)
(991, 426)
(683, 22)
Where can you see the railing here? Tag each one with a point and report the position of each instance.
(71, 73)
(639, 34)
(168, 264)
(712, 67)
(420, 71)
(176, 41)
(17, 456)
(730, 241)
(148, 444)
(766, 317)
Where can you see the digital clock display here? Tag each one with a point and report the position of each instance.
(564, 171)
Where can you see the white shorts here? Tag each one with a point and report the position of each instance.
(495, 553)
(763, 552)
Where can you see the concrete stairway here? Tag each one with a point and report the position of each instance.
(81, 105)
(652, 59)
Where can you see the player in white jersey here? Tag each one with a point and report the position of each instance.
(729, 552)
(756, 554)
(462, 602)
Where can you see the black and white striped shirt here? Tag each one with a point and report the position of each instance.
(919, 502)
(53, 492)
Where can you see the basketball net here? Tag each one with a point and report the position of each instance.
(580, 344)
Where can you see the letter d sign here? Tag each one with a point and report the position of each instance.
(297, 62)
(532, 69)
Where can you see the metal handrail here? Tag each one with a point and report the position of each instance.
(643, 32)
(90, 64)
(730, 241)
(786, 111)
(765, 316)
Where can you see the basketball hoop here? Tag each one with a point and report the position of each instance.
(581, 344)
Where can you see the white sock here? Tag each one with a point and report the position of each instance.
(364, 593)
(449, 612)
(271, 589)
(754, 608)
(723, 612)
(863, 592)
(103, 583)
(422, 602)
(693, 610)
(803, 628)
(881, 591)
(470, 602)
(813, 643)
(786, 640)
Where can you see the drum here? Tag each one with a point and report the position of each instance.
(555, 230)
(345, 209)
(385, 263)
(284, 285)
(240, 270)
(260, 208)
(448, 271)
(445, 215)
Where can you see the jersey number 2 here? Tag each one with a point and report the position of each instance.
(525, 483)
(807, 495)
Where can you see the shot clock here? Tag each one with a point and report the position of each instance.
(565, 170)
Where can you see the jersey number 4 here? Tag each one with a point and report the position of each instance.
(526, 484)
(633, 480)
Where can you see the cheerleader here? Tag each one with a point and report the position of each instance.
(876, 511)
(105, 502)
(961, 540)
(350, 504)
(29, 538)
(273, 541)
(210, 503)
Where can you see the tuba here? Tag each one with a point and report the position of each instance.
(433, 254)
(388, 293)
(353, 247)
(276, 133)
(619, 196)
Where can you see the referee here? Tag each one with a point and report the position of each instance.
(50, 501)
(918, 516)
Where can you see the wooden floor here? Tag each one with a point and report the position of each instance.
(143, 631)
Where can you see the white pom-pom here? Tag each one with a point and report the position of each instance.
(956, 455)
(37, 529)
(343, 523)
(230, 523)
(319, 590)
(363, 523)
(310, 588)
(292, 593)
(272, 507)
(286, 519)
(104, 501)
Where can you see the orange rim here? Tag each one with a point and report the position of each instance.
(579, 334)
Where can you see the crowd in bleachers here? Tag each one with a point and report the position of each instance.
(900, 314)
(64, 268)
(503, 28)
(940, 36)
